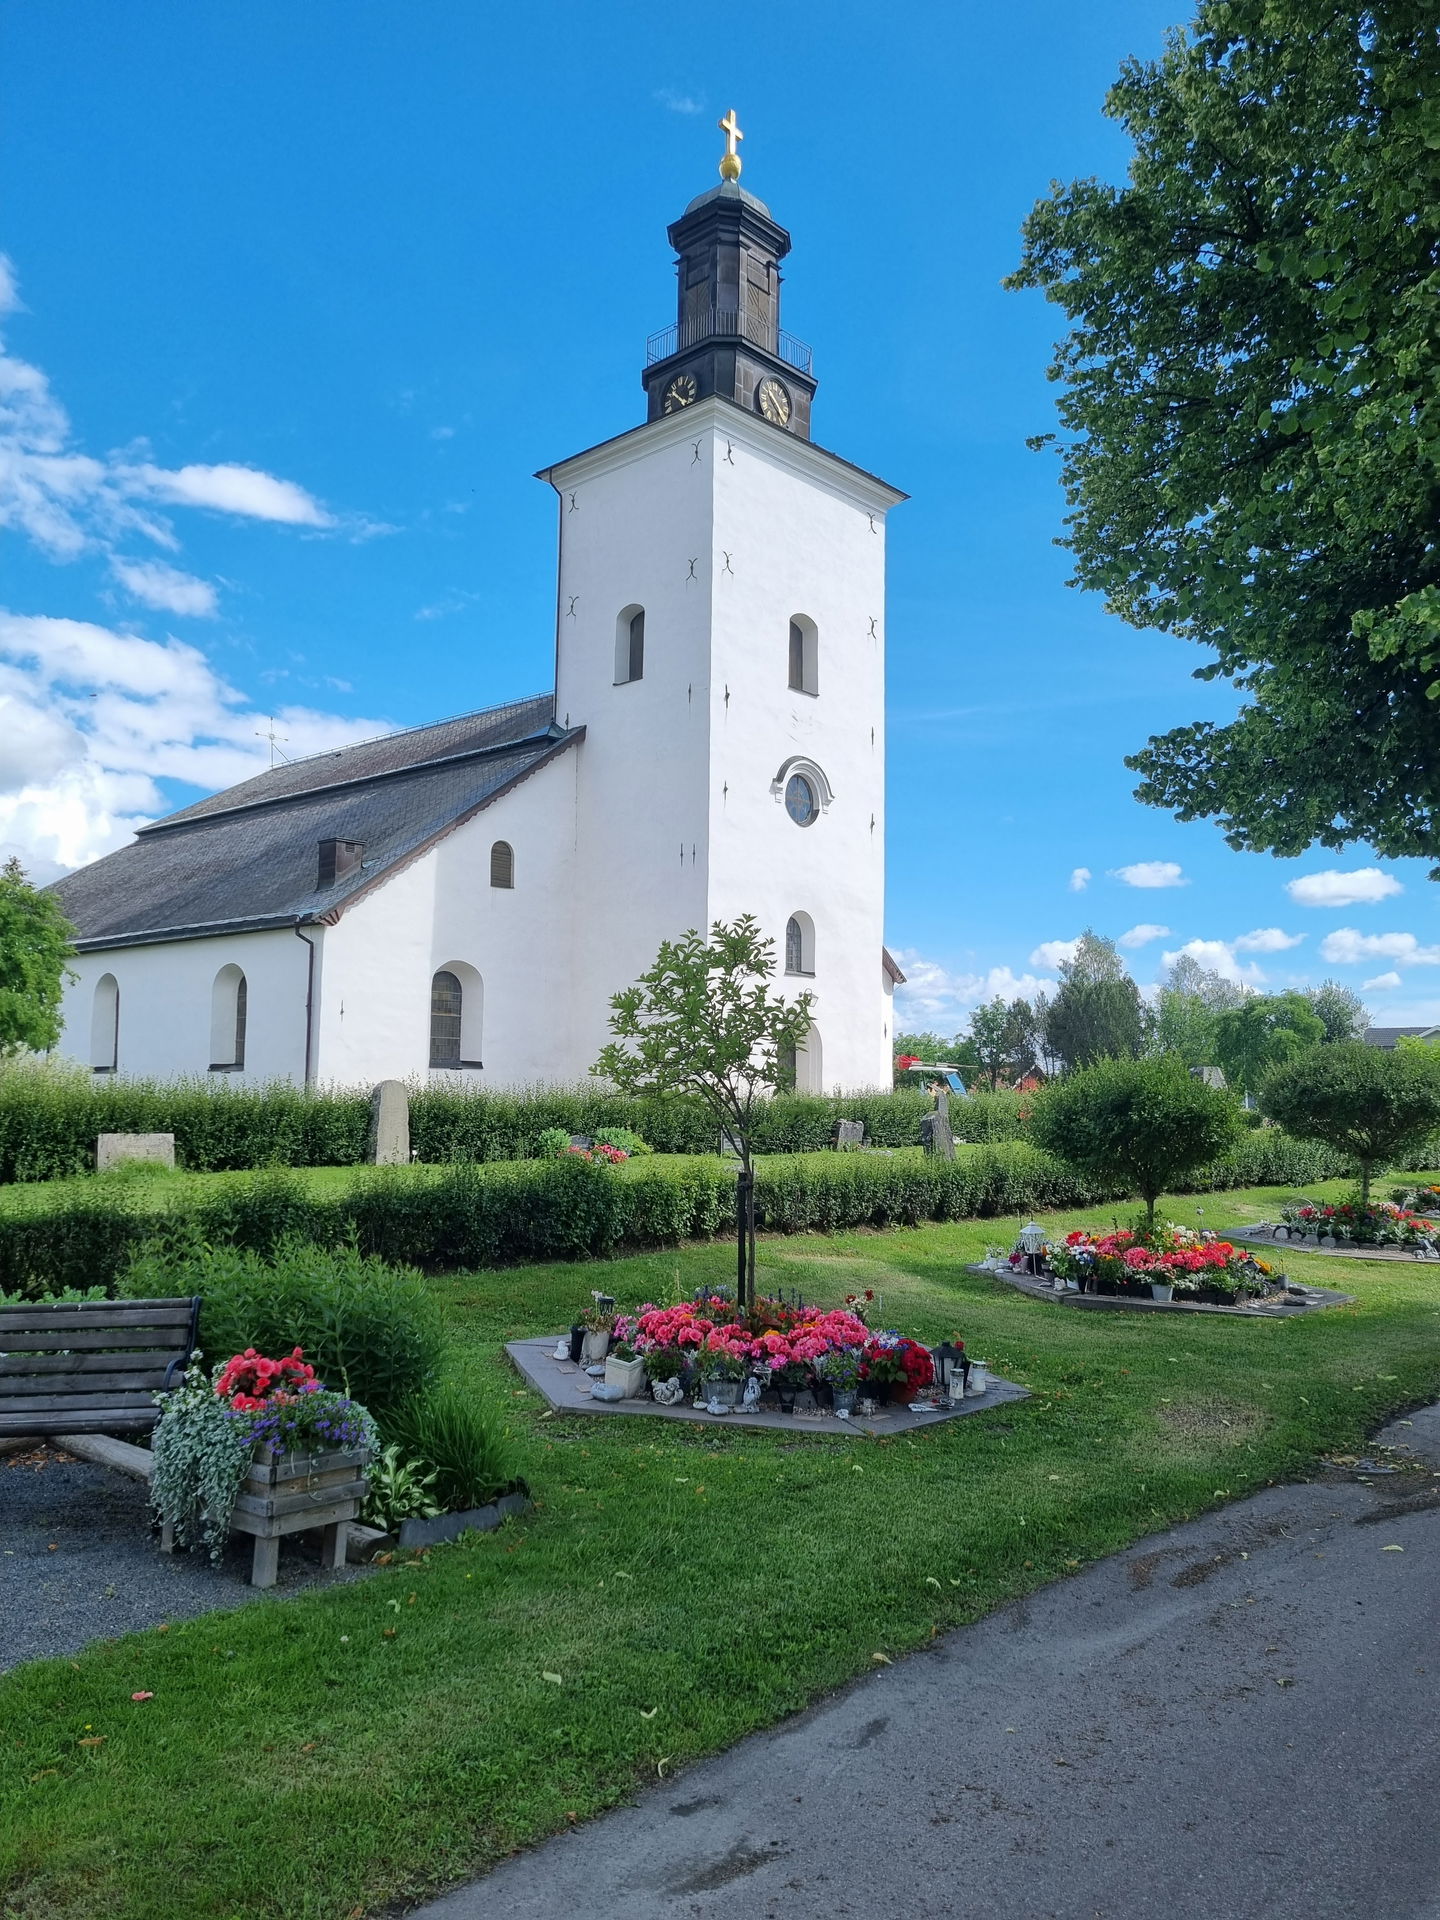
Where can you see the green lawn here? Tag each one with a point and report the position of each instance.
(318, 1756)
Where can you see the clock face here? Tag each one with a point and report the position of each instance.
(680, 392)
(800, 800)
(773, 400)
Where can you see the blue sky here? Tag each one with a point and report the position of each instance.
(300, 297)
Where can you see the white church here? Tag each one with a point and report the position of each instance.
(461, 900)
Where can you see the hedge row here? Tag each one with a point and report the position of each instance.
(467, 1216)
(49, 1120)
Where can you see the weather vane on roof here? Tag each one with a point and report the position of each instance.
(730, 159)
(273, 737)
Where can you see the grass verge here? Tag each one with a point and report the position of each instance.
(313, 1758)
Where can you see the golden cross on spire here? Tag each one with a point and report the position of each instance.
(730, 159)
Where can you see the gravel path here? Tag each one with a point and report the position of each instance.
(78, 1561)
(1236, 1720)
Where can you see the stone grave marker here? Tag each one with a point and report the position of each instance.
(113, 1148)
(849, 1133)
(390, 1125)
(936, 1137)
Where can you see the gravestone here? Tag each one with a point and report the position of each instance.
(389, 1125)
(113, 1148)
(849, 1133)
(936, 1137)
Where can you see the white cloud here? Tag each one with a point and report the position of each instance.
(1347, 947)
(1266, 940)
(674, 102)
(932, 995)
(231, 489)
(159, 585)
(1151, 873)
(1219, 956)
(1080, 878)
(1051, 953)
(91, 720)
(68, 502)
(1334, 889)
(1142, 935)
(1381, 982)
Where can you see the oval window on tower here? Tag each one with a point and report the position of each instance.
(800, 801)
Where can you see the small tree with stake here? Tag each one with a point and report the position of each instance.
(705, 1020)
(1144, 1123)
(1361, 1100)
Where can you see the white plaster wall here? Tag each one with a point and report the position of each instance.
(806, 536)
(676, 822)
(165, 998)
(633, 516)
(381, 955)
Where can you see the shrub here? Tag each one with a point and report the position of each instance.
(1367, 1103)
(447, 1434)
(503, 1215)
(551, 1141)
(368, 1329)
(623, 1140)
(1142, 1123)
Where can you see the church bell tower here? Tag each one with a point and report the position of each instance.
(727, 338)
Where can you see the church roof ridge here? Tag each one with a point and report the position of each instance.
(378, 756)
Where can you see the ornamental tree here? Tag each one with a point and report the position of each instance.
(1143, 1124)
(1363, 1101)
(1191, 996)
(1262, 1033)
(706, 1020)
(1251, 408)
(35, 944)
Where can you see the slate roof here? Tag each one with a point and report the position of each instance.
(248, 858)
(1387, 1036)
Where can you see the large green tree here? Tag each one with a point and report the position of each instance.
(1262, 1033)
(1097, 1012)
(1002, 1037)
(1251, 408)
(35, 944)
(1191, 998)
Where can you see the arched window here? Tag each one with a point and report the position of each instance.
(228, 999)
(630, 646)
(502, 864)
(800, 944)
(804, 655)
(457, 1009)
(105, 1025)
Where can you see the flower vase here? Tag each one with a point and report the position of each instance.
(597, 1345)
(1160, 1290)
(787, 1397)
(880, 1391)
(844, 1398)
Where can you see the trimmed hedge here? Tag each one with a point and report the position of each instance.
(49, 1118)
(518, 1211)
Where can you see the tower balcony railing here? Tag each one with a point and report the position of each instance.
(727, 323)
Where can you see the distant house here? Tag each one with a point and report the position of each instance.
(1386, 1037)
(1031, 1081)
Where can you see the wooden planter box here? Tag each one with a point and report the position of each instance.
(290, 1493)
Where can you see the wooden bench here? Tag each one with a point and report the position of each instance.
(90, 1368)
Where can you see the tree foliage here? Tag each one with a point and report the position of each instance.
(1343, 1014)
(35, 944)
(1002, 1038)
(1097, 1012)
(1364, 1101)
(1147, 1123)
(706, 1020)
(1252, 408)
(1263, 1032)
(1191, 996)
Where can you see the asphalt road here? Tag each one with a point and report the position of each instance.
(1240, 1718)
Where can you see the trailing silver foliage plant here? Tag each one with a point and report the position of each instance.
(203, 1447)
